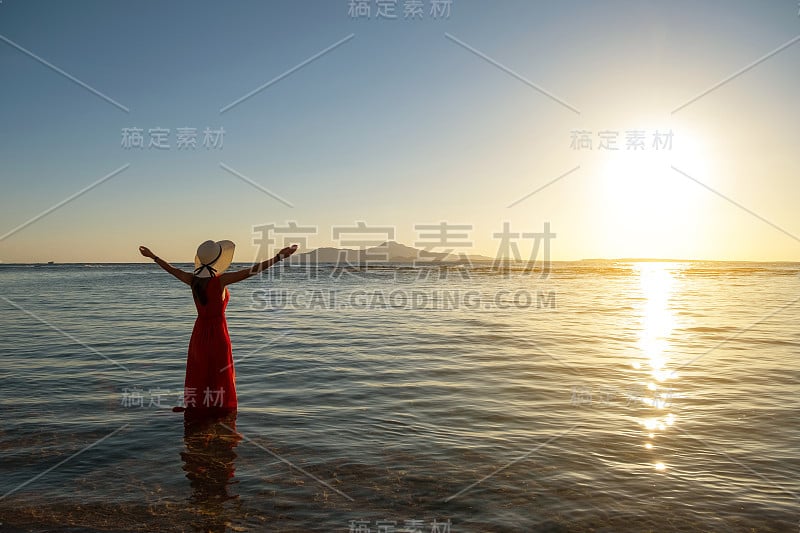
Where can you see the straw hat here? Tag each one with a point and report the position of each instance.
(213, 258)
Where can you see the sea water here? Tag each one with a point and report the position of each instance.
(598, 396)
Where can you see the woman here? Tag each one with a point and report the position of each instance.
(210, 385)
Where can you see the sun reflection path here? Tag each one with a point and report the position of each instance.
(656, 282)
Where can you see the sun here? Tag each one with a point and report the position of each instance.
(646, 207)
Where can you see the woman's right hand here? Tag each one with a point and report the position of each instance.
(286, 252)
(145, 251)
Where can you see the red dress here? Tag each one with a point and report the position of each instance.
(210, 378)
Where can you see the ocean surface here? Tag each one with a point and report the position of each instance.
(604, 396)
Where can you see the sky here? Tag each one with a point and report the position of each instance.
(333, 118)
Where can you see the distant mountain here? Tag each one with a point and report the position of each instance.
(639, 260)
(387, 252)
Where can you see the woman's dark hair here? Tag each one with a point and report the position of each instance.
(199, 289)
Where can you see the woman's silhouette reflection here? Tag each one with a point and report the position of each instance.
(208, 459)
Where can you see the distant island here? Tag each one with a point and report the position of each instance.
(644, 260)
(387, 252)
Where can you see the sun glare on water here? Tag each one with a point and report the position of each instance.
(656, 285)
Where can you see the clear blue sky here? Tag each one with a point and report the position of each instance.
(400, 125)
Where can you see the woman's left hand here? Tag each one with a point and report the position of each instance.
(145, 251)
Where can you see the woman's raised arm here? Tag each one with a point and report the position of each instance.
(233, 277)
(185, 277)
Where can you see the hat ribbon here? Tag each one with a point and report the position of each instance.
(207, 266)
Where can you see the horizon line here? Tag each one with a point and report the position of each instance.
(589, 259)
